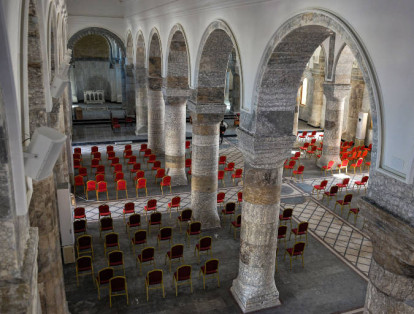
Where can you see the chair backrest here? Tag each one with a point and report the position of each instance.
(240, 196)
(299, 247)
(222, 158)
(118, 168)
(91, 185)
(364, 153)
(95, 162)
(188, 163)
(155, 218)
(324, 183)
(292, 163)
(154, 277)
(84, 241)
(127, 153)
(166, 232)
(205, 242)
(140, 235)
(331, 163)
(175, 201)
(220, 174)
(313, 141)
(230, 207)
(186, 214)
(344, 163)
(109, 148)
(121, 185)
(221, 196)
(147, 253)
(105, 274)
(230, 165)
(115, 161)
(132, 159)
(141, 183)
(94, 149)
(140, 174)
(152, 157)
(117, 284)
(82, 170)
(297, 154)
(195, 226)
(128, 147)
(111, 238)
(166, 180)
(157, 164)
(79, 225)
(177, 250)
(106, 222)
(103, 209)
(282, 230)
(143, 146)
(239, 172)
(183, 272)
(99, 177)
(77, 156)
(303, 226)
(77, 150)
(115, 257)
(306, 145)
(152, 203)
(304, 133)
(301, 168)
(100, 169)
(211, 266)
(97, 155)
(102, 186)
(148, 152)
(84, 263)
(334, 189)
(134, 219)
(137, 166)
(287, 212)
(160, 173)
(79, 211)
(79, 180)
(360, 161)
(364, 179)
(187, 144)
(348, 198)
(130, 206)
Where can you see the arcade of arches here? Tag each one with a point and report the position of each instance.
(315, 163)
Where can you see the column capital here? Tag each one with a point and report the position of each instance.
(265, 152)
(336, 92)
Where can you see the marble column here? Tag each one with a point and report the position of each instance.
(391, 275)
(141, 101)
(156, 115)
(130, 89)
(205, 151)
(296, 120)
(317, 99)
(254, 288)
(335, 98)
(175, 129)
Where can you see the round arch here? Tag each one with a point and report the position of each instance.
(140, 56)
(278, 79)
(129, 48)
(154, 53)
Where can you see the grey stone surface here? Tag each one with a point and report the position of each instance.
(318, 73)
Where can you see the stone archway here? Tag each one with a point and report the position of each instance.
(265, 137)
(215, 48)
(130, 76)
(176, 95)
(156, 106)
(141, 86)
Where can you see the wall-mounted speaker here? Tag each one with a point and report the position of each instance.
(42, 152)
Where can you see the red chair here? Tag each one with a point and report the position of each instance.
(175, 203)
(82, 171)
(77, 156)
(139, 174)
(135, 168)
(186, 216)
(117, 168)
(154, 278)
(109, 149)
(344, 184)
(127, 154)
(129, 209)
(311, 151)
(77, 164)
(105, 224)
(331, 193)
(328, 167)
(104, 211)
(369, 148)
(159, 174)
(193, 229)
(303, 136)
(286, 216)
(97, 155)
(146, 256)
(345, 202)
(111, 241)
(229, 167)
(238, 173)
(132, 160)
(220, 177)
(79, 182)
(127, 147)
(102, 188)
(94, 149)
(100, 170)
(355, 212)
(104, 275)
(343, 165)
(143, 148)
(141, 184)
(320, 187)
(301, 230)
(312, 135)
(121, 186)
(220, 197)
(282, 233)
(155, 219)
(140, 237)
(188, 163)
(239, 198)
(176, 252)
(79, 213)
(304, 148)
(203, 245)
(312, 142)
(115, 259)
(119, 176)
(151, 206)
(222, 160)
(147, 153)
(99, 177)
(182, 274)
(236, 224)
(151, 159)
(79, 226)
(90, 186)
(358, 164)
(296, 156)
(94, 164)
(210, 268)
(297, 250)
(229, 209)
(290, 165)
(77, 150)
(114, 161)
(83, 267)
(156, 166)
(166, 181)
(134, 221)
(361, 183)
(163, 235)
(187, 144)
(299, 171)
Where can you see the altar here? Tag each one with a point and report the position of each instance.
(94, 97)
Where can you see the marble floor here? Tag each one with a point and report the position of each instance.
(337, 257)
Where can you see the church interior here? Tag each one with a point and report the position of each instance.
(206, 156)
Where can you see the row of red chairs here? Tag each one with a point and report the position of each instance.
(305, 135)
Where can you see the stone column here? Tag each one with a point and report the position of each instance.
(141, 101)
(175, 129)
(130, 89)
(118, 82)
(391, 275)
(254, 288)
(156, 113)
(205, 151)
(317, 99)
(335, 98)
(296, 120)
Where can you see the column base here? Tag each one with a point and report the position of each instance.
(178, 177)
(323, 161)
(250, 299)
(141, 129)
(204, 206)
